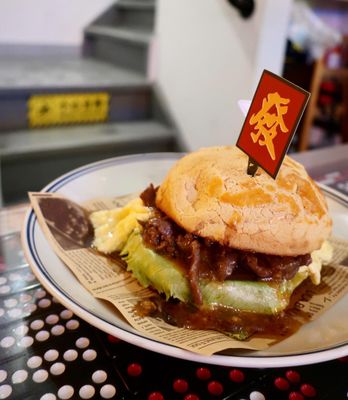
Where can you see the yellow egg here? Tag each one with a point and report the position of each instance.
(113, 227)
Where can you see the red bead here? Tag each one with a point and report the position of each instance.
(295, 396)
(308, 390)
(236, 375)
(281, 383)
(180, 385)
(215, 388)
(134, 369)
(293, 376)
(113, 339)
(203, 373)
(155, 396)
(191, 396)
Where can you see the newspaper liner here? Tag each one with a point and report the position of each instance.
(108, 281)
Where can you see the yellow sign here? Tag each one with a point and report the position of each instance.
(267, 123)
(68, 108)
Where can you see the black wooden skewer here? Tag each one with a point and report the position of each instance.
(252, 167)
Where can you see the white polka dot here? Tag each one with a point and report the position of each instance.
(10, 303)
(19, 376)
(5, 391)
(26, 341)
(48, 396)
(3, 280)
(3, 290)
(52, 319)
(40, 293)
(37, 324)
(3, 375)
(34, 362)
(21, 330)
(72, 324)
(57, 368)
(82, 342)
(108, 391)
(40, 375)
(66, 314)
(89, 355)
(66, 392)
(14, 277)
(42, 336)
(24, 298)
(256, 396)
(86, 392)
(51, 355)
(99, 376)
(70, 355)
(14, 312)
(7, 342)
(57, 330)
(30, 308)
(44, 303)
(2, 312)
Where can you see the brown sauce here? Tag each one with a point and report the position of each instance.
(229, 321)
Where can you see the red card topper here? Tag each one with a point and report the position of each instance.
(271, 122)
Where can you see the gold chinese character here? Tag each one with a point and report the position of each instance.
(267, 122)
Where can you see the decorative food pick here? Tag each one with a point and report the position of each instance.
(271, 122)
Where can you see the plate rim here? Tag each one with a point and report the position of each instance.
(30, 223)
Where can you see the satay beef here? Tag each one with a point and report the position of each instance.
(209, 259)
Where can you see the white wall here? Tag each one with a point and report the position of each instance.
(208, 57)
(47, 22)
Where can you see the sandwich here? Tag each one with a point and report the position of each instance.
(221, 249)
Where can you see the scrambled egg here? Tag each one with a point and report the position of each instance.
(113, 227)
(320, 257)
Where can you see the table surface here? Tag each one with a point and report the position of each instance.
(48, 353)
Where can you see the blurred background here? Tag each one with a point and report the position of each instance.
(84, 80)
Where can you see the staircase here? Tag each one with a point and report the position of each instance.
(113, 64)
(122, 35)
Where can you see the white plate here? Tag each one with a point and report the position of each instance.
(321, 340)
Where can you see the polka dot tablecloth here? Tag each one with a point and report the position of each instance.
(48, 353)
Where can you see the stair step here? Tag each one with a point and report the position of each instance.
(136, 37)
(134, 4)
(133, 15)
(126, 48)
(130, 93)
(28, 143)
(125, 104)
(60, 72)
(128, 14)
(31, 159)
